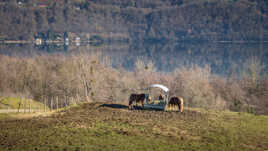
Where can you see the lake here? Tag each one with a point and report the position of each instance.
(223, 58)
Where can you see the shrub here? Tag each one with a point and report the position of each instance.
(196, 88)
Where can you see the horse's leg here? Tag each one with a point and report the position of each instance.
(129, 105)
(168, 106)
(181, 107)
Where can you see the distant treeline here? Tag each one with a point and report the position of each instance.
(83, 77)
(146, 20)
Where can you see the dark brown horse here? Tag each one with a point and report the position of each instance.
(176, 101)
(138, 98)
(161, 97)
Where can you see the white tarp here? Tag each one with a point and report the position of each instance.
(164, 88)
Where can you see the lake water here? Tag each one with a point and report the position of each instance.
(221, 57)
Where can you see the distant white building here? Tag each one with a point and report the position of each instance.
(77, 41)
(66, 41)
(38, 41)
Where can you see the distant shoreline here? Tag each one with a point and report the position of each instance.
(53, 42)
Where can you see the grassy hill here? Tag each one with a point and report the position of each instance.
(14, 103)
(98, 126)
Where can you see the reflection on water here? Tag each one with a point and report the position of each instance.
(222, 58)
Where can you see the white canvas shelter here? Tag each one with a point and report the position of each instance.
(164, 88)
(162, 105)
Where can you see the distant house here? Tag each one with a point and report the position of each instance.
(42, 3)
(20, 3)
(77, 41)
(2, 38)
(66, 41)
(38, 41)
(46, 3)
(42, 6)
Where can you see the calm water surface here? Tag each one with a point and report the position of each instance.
(221, 57)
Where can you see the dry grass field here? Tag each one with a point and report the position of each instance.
(104, 126)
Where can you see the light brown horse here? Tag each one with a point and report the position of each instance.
(138, 98)
(176, 101)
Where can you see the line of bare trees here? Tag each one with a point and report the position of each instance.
(84, 77)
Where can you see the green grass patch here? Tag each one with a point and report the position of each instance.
(15, 103)
(105, 127)
(4, 116)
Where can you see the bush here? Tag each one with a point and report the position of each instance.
(196, 88)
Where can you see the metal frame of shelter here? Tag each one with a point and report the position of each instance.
(157, 106)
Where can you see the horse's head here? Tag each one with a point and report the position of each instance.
(161, 97)
(149, 99)
(131, 99)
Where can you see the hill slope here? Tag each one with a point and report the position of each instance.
(134, 20)
(99, 126)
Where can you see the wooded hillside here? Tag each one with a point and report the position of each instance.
(150, 20)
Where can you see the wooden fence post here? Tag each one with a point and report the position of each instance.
(57, 99)
(65, 102)
(51, 104)
(45, 108)
(19, 106)
(46, 105)
(30, 106)
(24, 100)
